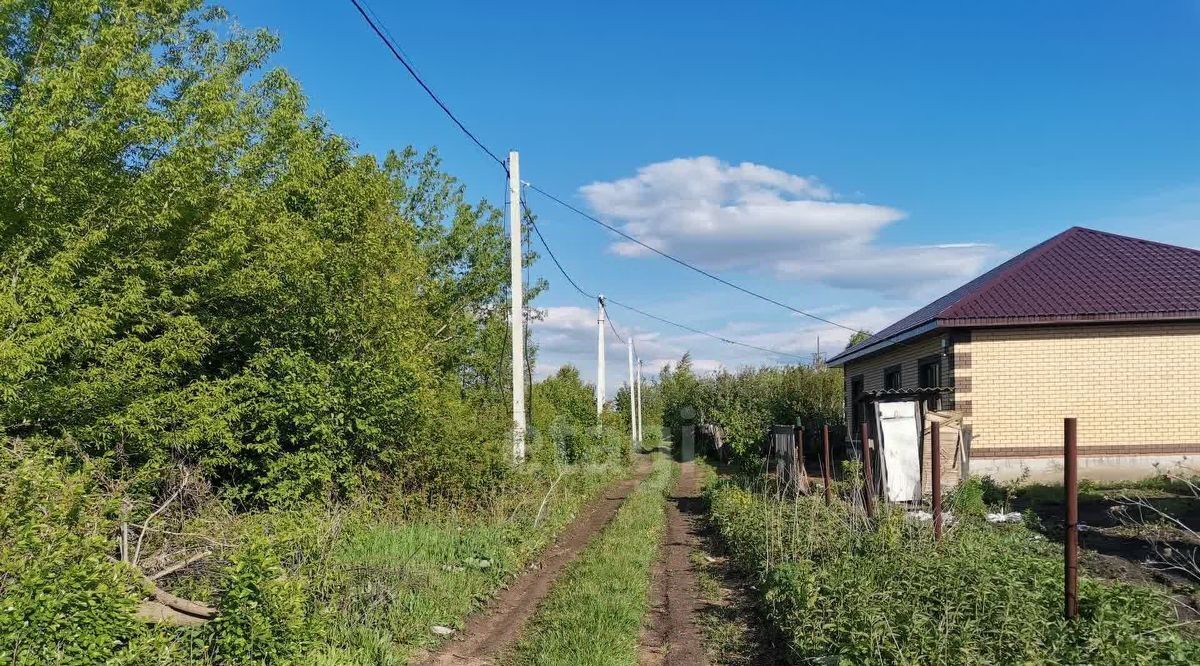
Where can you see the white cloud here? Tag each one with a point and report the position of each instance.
(895, 270)
(567, 335)
(753, 216)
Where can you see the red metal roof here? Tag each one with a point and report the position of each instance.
(1080, 275)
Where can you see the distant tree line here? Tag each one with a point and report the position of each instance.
(746, 402)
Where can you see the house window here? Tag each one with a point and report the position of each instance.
(891, 377)
(929, 372)
(929, 375)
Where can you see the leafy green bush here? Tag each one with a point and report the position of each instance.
(564, 422)
(262, 617)
(199, 270)
(747, 402)
(62, 601)
(967, 500)
(887, 594)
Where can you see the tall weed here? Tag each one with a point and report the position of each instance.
(888, 594)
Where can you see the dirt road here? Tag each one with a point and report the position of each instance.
(672, 635)
(490, 632)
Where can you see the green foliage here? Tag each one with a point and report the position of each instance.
(62, 601)
(564, 415)
(680, 392)
(888, 594)
(857, 337)
(967, 501)
(565, 425)
(196, 269)
(747, 402)
(652, 412)
(262, 616)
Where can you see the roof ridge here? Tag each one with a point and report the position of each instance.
(1018, 263)
(1079, 274)
(1145, 241)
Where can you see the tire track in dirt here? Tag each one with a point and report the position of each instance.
(491, 631)
(672, 635)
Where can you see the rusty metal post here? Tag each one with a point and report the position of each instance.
(797, 464)
(1071, 540)
(827, 470)
(868, 477)
(935, 476)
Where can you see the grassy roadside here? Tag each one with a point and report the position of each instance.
(594, 614)
(735, 629)
(389, 582)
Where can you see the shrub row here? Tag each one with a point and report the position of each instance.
(840, 589)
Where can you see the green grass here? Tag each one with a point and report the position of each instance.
(728, 619)
(844, 590)
(389, 582)
(594, 613)
(1174, 484)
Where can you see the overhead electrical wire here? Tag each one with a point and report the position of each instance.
(590, 296)
(681, 262)
(395, 49)
(583, 292)
(384, 36)
(608, 319)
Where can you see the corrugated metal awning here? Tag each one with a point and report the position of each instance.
(904, 393)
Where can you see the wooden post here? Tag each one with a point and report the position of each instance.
(827, 470)
(868, 477)
(935, 476)
(1071, 542)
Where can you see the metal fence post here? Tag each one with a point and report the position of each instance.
(935, 476)
(868, 477)
(827, 470)
(1071, 541)
(797, 468)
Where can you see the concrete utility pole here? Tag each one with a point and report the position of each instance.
(517, 317)
(632, 414)
(639, 401)
(599, 356)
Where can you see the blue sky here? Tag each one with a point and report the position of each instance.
(854, 159)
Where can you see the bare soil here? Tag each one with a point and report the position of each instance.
(737, 633)
(1117, 549)
(672, 634)
(494, 629)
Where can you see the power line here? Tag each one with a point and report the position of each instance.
(395, 49)
(608, 319)
(583, 292)
(383, 34)
(554, 258)
(683, 263)
(714, 336)
(631, 308)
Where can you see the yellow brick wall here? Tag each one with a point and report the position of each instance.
(908, 356)
(1126, 383)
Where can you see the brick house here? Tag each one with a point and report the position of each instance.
(1089, 324)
